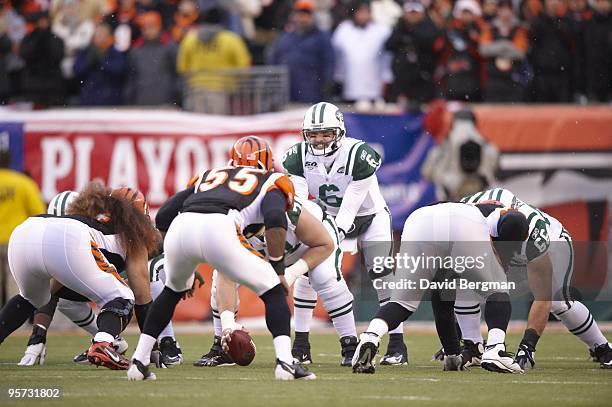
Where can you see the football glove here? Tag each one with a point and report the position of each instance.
(525, 356)
(34, 355)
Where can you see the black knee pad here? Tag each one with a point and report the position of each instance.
(120, 307)
(393, 314)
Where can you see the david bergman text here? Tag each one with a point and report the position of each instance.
(460, 283)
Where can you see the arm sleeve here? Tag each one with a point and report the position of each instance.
(351, 202)
(273, 209)
(170, 209)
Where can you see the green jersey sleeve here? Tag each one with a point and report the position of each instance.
(365, 161)
(292, 160)
(538, 240)
(294, 213)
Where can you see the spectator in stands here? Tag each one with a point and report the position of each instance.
(72, 25)
(414, 60)
(152, 76)
(102, 69)
(308, 54)
(14, 26)
(42, 52)
(598, 52)
(460, 59)
(489, 10)
(441, 12)
(503, 45)
(124, 25)
(185, 19)
(362, 65)
(270, 22)
(167, 9)
(385, 12)
(578, 14)
(551, 51)
(5, 51)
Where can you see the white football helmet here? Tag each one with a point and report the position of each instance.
(320, 118)
(60, 202)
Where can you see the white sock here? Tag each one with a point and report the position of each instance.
(579, 321)
(217, 325)
(282, 348)
(468, 317)
(144, 348)
(495, 337)
(80, 313)
(378, 326)
(167, 331)
(104, 337)
(304, 302)
(345, 325)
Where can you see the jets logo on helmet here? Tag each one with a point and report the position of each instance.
(60, 202)
(134, 196)
(252, 151)
(323, 128)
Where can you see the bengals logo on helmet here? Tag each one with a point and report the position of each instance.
(252, 151)
(134, 196)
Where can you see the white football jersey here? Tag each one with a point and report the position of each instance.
(354, 160)
(542, 226)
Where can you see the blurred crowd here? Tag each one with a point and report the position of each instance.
(136, 52)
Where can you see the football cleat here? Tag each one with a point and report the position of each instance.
(103, 354)
(301, 352)
(171, 354)
(471, 353)
(453, 363)
(363, 360)
(81, 359)
(496, 359)
(215, 357)
(525, 356)
(603, 353)
(285, 371)
(34, 355)
(349, 345)
(120, 345)
(395, 356)
(438, 356)
(139, 371)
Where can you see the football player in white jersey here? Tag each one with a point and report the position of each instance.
(311, 248)
(341, 172)
(432, 236)
(548, 250)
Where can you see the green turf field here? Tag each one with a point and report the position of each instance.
(565, 376)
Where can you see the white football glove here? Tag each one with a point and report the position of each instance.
(34, 355)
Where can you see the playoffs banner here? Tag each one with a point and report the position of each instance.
(159, 151)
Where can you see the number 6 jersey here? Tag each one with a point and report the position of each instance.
(353, 161)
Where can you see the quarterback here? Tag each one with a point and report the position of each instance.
(341, 172)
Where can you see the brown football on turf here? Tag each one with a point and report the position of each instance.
(241, 347)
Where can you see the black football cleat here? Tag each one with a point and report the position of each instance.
(171, 354)
(349, 345)
(603, 353)
(138, 371)
(471, 353)
(301, 352)
(215, 357)
(285, 371)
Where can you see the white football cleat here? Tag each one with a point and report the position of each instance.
(34, 355)
(285, 371)
(120, 345)
(364, 357)
(496, 359)
(138, 371)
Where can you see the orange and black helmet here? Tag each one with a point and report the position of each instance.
(134, 196)
(252, 151)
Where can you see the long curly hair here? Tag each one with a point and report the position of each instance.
(135, 229)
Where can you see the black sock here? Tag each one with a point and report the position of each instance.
(444, 314)
(14, 313)
(110, 323)
(141, 311)
(301, 337)
(39, 335)
(161, 311)
(498, 311)
(393, 314)
(531, 338)
(278, 316)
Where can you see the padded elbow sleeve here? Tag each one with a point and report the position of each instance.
(273, 210)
